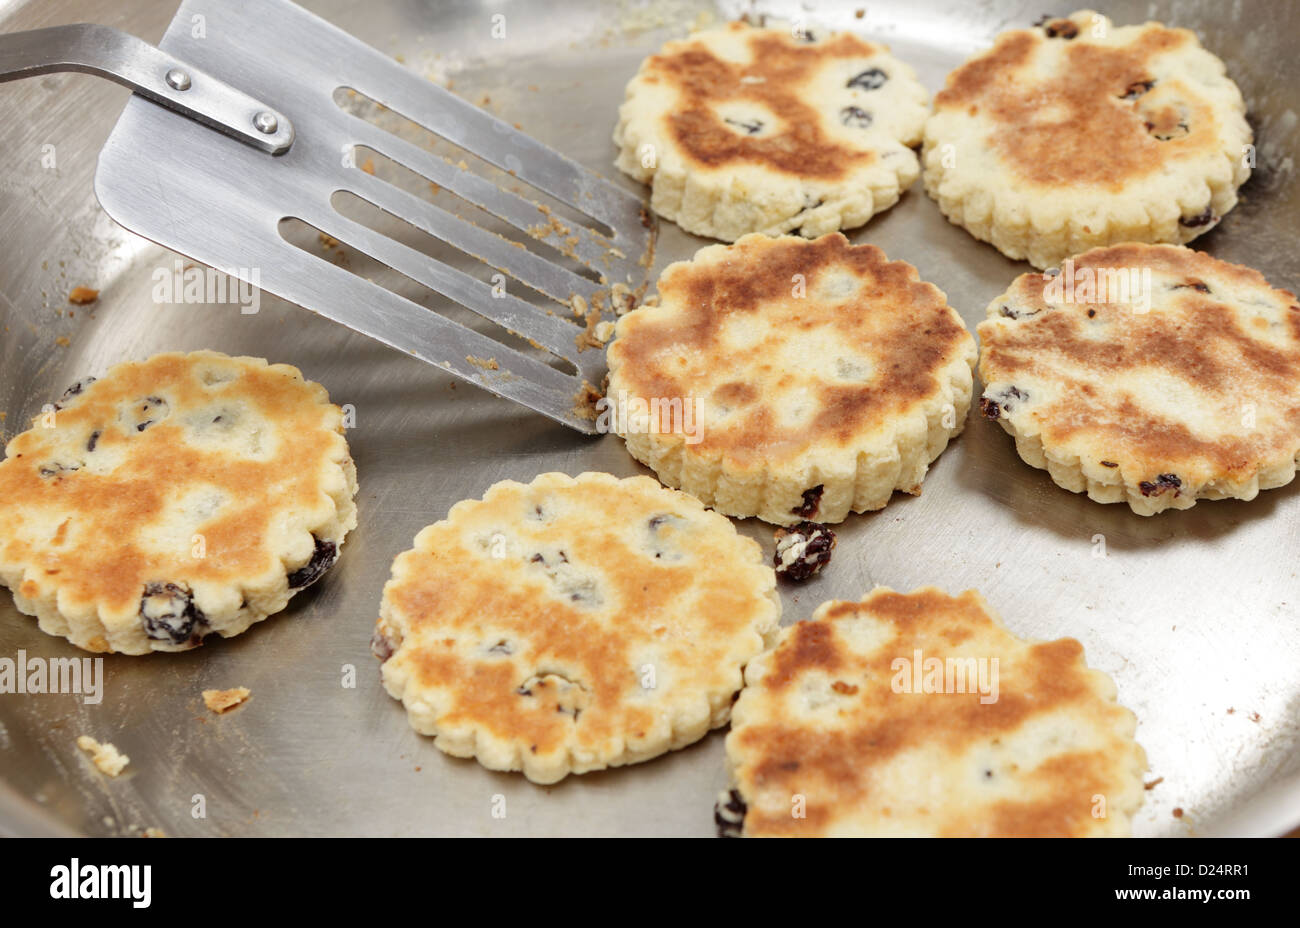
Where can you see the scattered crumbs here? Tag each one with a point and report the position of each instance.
(328, 241)
(83, 295)
(1178, 812)
(418, 769)
(622, 298)
(434, 188)
(107, 758)
(584, 402)
(1231, 711)
(488, 364)
(552, 224)
(1254, 716)
(153, 833)
(222, 701)
(859, 13)
(368, 165)
(62, 341)
(589, 337)
(462, 164)
(1154, 783)
(579, 305)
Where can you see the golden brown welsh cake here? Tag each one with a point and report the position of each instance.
(744, 129)
(920, 714)
(791, 379)
(1081, 133)
(1148, 374)
(173, 498)
(572, 624)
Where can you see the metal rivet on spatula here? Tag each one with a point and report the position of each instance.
(266, 122)
(178, 79)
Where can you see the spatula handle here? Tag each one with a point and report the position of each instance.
(122, 57)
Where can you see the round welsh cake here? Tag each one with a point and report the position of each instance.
(745, 129)
(1148, 374)
(919, 714)
(173, 498)
(1080, 133)
(790, 379)
(572, 624)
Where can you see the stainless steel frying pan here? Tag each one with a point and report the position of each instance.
(1195, 614)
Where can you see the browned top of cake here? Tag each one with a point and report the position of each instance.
(532, 614)
(1063, 107)
(102, 496)
(776, 77)
(791, 345)
(831, 736)
(1203, 383)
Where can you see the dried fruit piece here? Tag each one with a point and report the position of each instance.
(802, 550)
(169, 613)
(729, 814)
(322, 559)
(870, 79)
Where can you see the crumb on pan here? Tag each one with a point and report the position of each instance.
(597, 332)
(140, 831)
(622, 298)
(222, 701)
(585, 400)
(83, 295)
(107, 758)
(488, 364)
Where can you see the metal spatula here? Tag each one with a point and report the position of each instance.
(267, 140)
